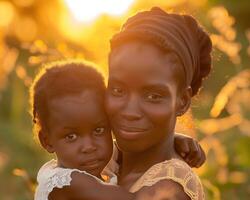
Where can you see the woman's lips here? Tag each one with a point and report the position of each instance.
(130, 133)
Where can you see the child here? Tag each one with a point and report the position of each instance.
(69, 115)
(70, 120)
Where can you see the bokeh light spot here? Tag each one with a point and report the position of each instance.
(6, 13)
(89, 10)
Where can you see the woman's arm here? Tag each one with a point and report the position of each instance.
(187, 147)
(85, 187)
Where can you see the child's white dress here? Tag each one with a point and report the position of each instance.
(51, 176)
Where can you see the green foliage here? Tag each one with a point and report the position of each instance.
(223, 129)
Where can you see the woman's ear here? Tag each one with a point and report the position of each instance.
(184, 101)
(45, 141)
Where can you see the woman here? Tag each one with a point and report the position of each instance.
(157, 63)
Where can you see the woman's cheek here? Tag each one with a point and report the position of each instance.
(159, 113)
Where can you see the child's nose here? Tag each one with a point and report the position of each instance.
(88, 145)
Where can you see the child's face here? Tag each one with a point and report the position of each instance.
(79, 132)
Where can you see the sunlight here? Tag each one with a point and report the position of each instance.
(89, 10)
(6, 13)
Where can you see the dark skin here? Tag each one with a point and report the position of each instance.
(158, 191)
(60, 120)
(86, 187)
(145, 95)
(190, 150)
(91, 189)
(73, 141)
(85, 146)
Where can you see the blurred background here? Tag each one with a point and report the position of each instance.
(33, 32)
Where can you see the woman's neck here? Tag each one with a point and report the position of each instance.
(136, 164)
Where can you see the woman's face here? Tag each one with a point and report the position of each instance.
(142, 97)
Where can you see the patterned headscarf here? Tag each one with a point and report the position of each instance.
(180, 34)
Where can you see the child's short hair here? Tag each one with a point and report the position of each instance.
(58, 79)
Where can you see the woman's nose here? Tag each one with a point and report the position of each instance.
(87, 145)
(131, 110)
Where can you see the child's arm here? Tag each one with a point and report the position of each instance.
(190, 150)
(187, 147)
(86, 187)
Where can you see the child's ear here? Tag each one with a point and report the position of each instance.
(45, 141)
(184, 101)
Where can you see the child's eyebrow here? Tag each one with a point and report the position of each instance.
(103, 121)
(100, 122)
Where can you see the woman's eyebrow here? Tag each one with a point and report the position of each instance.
(113, 79)
(69, 127)
(103, 121)
(157, 87)
(115, 82)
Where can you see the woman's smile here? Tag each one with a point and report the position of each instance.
(130, 133)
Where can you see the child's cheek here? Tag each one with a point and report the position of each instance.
(107, 147)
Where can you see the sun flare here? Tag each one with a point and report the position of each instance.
(88, 10)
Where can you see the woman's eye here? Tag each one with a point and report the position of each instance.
(71, 137)
(154, 97)
(99, 131)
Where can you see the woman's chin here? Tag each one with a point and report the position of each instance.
(130, 146)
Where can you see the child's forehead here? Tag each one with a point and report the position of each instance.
(77, 109)
(80, 97)
(85, 100)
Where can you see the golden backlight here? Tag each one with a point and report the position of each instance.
(88, 10)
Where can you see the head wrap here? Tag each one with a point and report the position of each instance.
(174, 32)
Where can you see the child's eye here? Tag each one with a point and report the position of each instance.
(117, 91)
(99, 131)
(71, 137)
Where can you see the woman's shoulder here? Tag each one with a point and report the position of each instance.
(175, 170)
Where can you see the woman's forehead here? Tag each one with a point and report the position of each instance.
(142, 57)
(137, 46)
(140, 49)
(144, 63)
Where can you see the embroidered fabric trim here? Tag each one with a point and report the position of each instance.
(175, 170)
(50, 176)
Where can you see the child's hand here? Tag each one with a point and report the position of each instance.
(190, 150)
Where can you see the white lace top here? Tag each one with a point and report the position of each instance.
(51, 176)
(175, 170)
